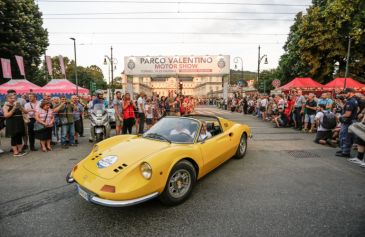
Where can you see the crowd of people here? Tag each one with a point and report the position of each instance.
(58, 120)
(329, 116)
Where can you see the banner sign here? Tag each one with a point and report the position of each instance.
(6, 67)
(177, 65)
(49, 65)
(20, 62)
(62, 64)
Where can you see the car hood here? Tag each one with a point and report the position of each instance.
(118, 157)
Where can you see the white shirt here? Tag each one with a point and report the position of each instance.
(149, 115)
(320, 116)
(264, 102)
(30, 106)
(140, 104)
(205, 136)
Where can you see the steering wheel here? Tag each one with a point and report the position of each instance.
(182, 133)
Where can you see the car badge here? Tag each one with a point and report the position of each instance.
(106, 162)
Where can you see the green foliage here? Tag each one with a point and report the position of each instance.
(85, 75)
(22, 34)
(319, 39)
(236, 75)
(117, 83)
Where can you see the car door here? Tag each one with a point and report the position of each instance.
(215, 151)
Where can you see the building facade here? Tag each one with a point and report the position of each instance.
(197, 86)
(194, 75)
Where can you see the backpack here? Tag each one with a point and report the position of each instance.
(329, 120)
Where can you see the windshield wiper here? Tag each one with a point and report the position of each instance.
(156, 135)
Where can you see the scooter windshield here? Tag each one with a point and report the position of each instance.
(99, 108)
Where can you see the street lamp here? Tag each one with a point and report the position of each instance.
(347, 62)
(77, 82)
(260, 58)
(236, 59)
(112, 61)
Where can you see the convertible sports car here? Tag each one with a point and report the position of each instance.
(165, 161)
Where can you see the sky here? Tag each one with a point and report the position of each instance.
(183, 27)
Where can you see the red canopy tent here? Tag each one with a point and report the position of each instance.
(21, 86)
(338, 83)
(306, 84)
(62, 86)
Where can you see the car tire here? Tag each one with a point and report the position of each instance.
(176, 191)
(242, 147)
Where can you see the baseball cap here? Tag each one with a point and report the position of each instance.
(348, 90)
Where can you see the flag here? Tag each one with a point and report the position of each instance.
(62, 64)
(49, 65)
(19, 60)
(6, 66)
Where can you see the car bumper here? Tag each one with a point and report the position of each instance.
(93, 198)
(124, 203)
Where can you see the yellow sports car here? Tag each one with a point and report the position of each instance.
(164, 162)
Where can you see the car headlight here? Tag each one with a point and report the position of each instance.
(146, 170)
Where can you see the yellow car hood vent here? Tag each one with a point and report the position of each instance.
(115, 159)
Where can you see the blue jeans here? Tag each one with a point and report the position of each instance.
(298, 117)
(70, 130)
(346, 139)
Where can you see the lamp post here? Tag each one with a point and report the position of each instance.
(260, 58)
(347, 62)
(112, 61)
(236, 59)
(77, 82)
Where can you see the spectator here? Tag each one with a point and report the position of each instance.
(77, 116)
(14, 124)
(44, 116)
(310, 113)
(177, 105)
(359, 159)
(326, 100)
(128, 114)
(323, 135)
(149, 113)
(299, 109)
(31, 108)
(118, 108)
(67, 122)
(141, 104)
(348, 116)
(263, 106)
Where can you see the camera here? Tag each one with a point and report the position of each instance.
(340, 97)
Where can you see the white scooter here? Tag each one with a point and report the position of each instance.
(100, 127)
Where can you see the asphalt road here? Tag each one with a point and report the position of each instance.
(271, 192)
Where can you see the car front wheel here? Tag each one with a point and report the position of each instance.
(180, 183)
(242, 147)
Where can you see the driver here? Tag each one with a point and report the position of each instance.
(180, 129)
(99, 98)
(204, 133)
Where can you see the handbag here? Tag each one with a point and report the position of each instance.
(38, 127)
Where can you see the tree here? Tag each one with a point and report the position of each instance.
(319, 39)
(236, 75)
(117, 83)
(290, 64)
(22, 34)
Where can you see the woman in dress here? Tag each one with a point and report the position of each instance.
(13, 113)
(44, 116)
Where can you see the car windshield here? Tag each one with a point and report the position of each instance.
(174, 129)
(99, 107)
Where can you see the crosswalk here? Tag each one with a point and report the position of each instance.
(212, 111)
